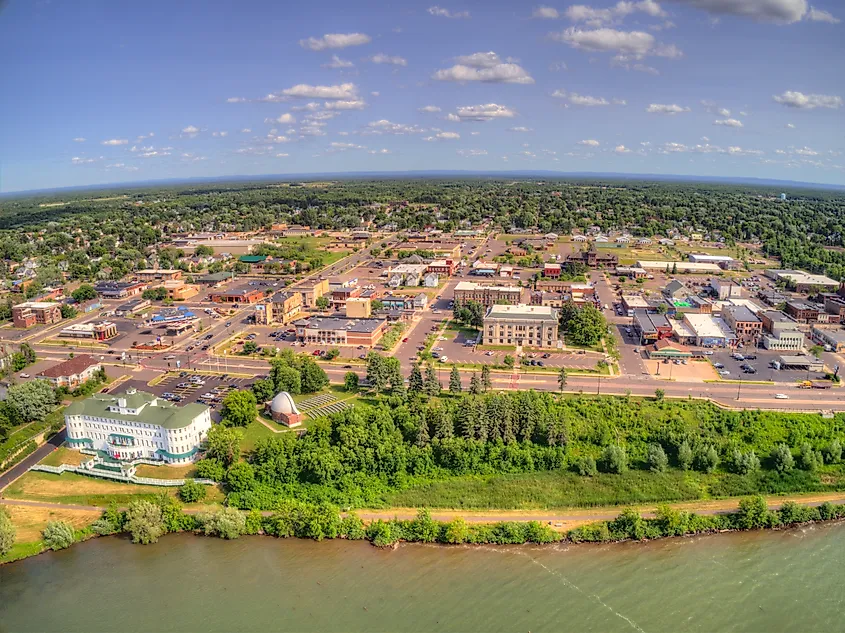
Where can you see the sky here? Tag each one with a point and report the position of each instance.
(97, 91)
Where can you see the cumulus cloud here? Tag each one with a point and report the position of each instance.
(545, 13)
(584, 100)
(595, 17)
(589, 142)
(440, 12)
(383, 126)
(335, 40)
(707, 148)
(282, 155)
(342, 104)
(429, 108)
(818, 15)
(337, 62)
(443, 136)
(795, 99)
(246, 130)
(520, 128)
(116, 141)
(381, 58)
(306, 91)
(621, 149)
(472, 152)
(806, 151)
(286, 119)
(484, 112)
(728, 122)
(384, 150)
(484, 67)
(778, 11)
(76, 160)
(236, 100)
(634, 44)
(344, 146)
(791, 126)
(661, 108)
(190, 131)
(79, 139)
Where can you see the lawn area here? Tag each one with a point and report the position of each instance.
(314, 246)
(73, 489)
(63, 455)
(563, 489)
(252, 433)
(184, 471)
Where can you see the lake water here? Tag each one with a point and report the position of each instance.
(774, 581)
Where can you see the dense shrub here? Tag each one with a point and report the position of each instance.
(58, 535)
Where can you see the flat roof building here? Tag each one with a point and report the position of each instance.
(283, 307)
(241, 294)
(745, 324)
(97, 331)
(341, 330)
(487, 294)
(801, 281)
(679, 267)
(525, 325)
(830, 337)
(708, 330)
(651, 327)
(30, 313)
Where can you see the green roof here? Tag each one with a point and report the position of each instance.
(164, 414)
(252, 259)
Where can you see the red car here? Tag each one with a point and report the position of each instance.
(317, 352)
(405, 340)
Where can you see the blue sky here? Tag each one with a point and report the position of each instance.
(97, 91)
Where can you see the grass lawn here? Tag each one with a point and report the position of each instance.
(73, 489)
(185, 471)
(252, 433)
(29, 521)
(63, 455)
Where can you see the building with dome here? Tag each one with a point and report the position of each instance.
(283, 410)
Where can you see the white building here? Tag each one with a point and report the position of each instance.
(137, 424)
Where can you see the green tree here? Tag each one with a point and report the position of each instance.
(561, 378)
(474, 384)
(431, 385)
(455, 380)
(376, 372)
(415, 381)
(656, 458)
(223, 444)
(706, 458)
(685, 457)
(33, 399)
(192, 491)
(486, 382)
(7, 532)
(313, 377)
(782, 458)
(816, 350)
(240, 477)
(264, 389)
(753, 513)
(227, 523)
(456, 531)
(350, 381)
(144, 522)
(58, 535)
(586, 326)
(833, 452)
(809, 459)
(586, 466)
(744, 463)
(84, 293)
(508, 360)
(322, 303)
(239, 408)
(659, 394)
(68, 311)
(203, 250)
(250, 347)
(614, 459)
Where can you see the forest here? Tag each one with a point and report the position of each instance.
(108, 233)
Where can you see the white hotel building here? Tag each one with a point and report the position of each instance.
(136, 425)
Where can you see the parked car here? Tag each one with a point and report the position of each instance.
(781, 396)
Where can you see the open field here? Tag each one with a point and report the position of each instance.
(185, 471)
(63, 455)
(73, 489)
(29, 520)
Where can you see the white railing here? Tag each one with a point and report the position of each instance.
(107, 474)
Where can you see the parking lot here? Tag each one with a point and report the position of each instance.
(762, 365)
(187, 387)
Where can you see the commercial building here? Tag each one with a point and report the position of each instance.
(772, 297)
(97, 331)
(119, 289)
(832, 338)
(215, 280)
(132, 307)
(342, 293)
(785, 341)
(167, 274)
(802, 312)
(745, 324)
(359, 308)
(578, 291)
(722, 261)
(834, 304)
(650, 327)
(666, 349)
(704, 330)
(775, 322)
(241, 294)
(593, 258)
(553, 299)
(443, 266)
(411, 274)
(532, 326)
(675, 288)
(487, 294)
(341, 331)
(71, 373)
(804, 282)
(138, 425)
(551, 270)
(311, 291)
(178, 290)
(801, 361)
(634, 302)
(283, 307)
(679, 267)
(634, 272)
(725, 289)
(27, 314)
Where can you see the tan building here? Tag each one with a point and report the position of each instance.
(358, 308)
(531, 326)
(312, 290)
(487, 294)
(36, 312)
(164, 274)
(283, 308)
(178, 290)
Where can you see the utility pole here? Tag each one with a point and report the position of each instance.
(738, 387)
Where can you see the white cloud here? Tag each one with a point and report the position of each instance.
(670, 148)
(115, 141)
(327, 115)
(143, 137)
(338, 63)
(779, 11)
(305, 91)
(220, 134)
(384, 150)
(286, 118)
(335, 40)
(661, 108)
(596, 17)
(545, 13)
(79, 139)
(728, 122)
(313, 129)
(381, 58)
(589, 142)
(383, 126)
(76, 160)
(446, 13)
(429, 108)
(484, 112)
(558, 67)
(311, 106)
(375, 93)
(806, 151)
(739, 151)
(154, 154)
(818, 15)
(584, 100)
(344, 146)
(115, 166)
(343, 104)
(190, 131)
(621, 149)
(485, 67)
(795, 99)
(791, 126)
(628, 44)
(282, 155)
(273, 98)
(472, 152)
(246, 130)
(520, 129)
(236, 100)
(449, 136)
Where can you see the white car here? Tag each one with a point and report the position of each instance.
(24, 375)
(781, 396)
(708, 352)
(725, 372)
(444, 359)
(488, 353)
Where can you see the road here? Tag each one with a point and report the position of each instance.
(40, 453)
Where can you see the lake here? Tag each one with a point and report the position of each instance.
(765, 581)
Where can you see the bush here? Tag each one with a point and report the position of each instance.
(352, 527)
(684, 456)
(753, 514)
(706, 459)
(833, 452)
(656, 458)
(211, 469)
(457, 531)
(586, 467)
(744, 463)
(7, 531)
(782, 458)
(144, 522)
(191, 491)
(102, 527)
(227, 523)
(58, 535)
(614, 460)
(809, 459)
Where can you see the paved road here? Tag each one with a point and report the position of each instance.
(41, 452)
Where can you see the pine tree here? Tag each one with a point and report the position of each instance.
(441, 421)
(474, 384)
(423, 438)
(455, 380)
(431, 386)
(561, 378)
(415, 381)
(486, 382)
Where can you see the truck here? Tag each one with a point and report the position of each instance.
(815, 384)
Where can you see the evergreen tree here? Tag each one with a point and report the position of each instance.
(415, 381)
(561, 378)
(455, 380)
(474, 384)
(431, 386)
(486, 382)
(423, 438)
